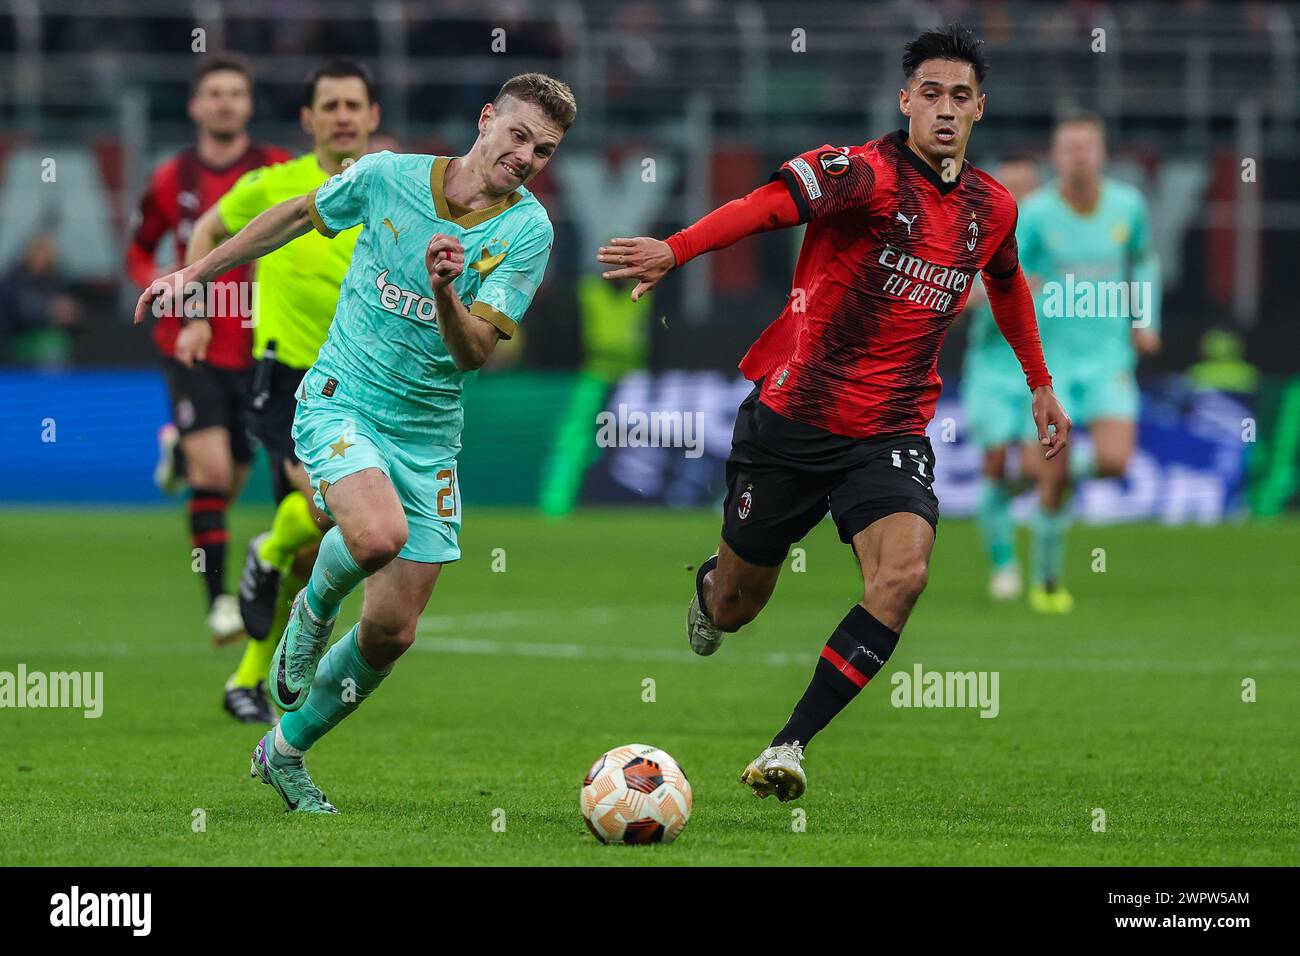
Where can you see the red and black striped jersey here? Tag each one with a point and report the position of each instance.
(887, 262)
(179, 192)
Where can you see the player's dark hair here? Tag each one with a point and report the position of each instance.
(218, 63)
(1022, 155)
(953, 42)
(552, 96)
(337, 69)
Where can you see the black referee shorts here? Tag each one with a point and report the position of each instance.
(783, 476)
(272, 401)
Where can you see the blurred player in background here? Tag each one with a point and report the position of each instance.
(296, 293)
(379, 414)
(846, 377)
(1085, 239)
(993, 396)
(206, 363)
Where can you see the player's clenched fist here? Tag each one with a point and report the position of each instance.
(645, 259)
(445, 260)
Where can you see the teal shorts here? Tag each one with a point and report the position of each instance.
(998, 407)
(998, 404)
(334, 440)
(1097, 392)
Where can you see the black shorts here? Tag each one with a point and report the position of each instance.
(784, 475)
(272, 402)
(205, 397)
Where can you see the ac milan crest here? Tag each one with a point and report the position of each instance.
(746, 504)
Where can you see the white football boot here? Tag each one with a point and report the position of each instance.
(777, 770)
(1005, 584)
(224, 621)
(169, 479)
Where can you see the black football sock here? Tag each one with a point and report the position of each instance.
(705, 568)
(208, 534)
(854, 654)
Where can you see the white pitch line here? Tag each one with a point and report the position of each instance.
(489, 648)
(500, 620)
(435, 636)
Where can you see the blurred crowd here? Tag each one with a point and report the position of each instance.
(647, 55)
(636, 43)
(39, 315)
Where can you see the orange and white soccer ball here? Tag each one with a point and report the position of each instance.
(636, 794)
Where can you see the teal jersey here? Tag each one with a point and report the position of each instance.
(384, 355)
(987, 350)
(1098, 272)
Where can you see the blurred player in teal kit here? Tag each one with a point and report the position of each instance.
(993, 398)
(1085, 244)
(452, 253)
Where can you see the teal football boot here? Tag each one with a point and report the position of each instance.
(289, 778)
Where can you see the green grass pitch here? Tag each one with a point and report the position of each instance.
(520, 679)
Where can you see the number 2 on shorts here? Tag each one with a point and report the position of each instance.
(446, 500)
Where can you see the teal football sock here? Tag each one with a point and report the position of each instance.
(333, 577)
(993, 517)
(1049, 530)
(1083, 463)
(343, 681)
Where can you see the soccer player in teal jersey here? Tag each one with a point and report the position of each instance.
(452, 252)
(297, 291)
(1086, 241)
(993, 398)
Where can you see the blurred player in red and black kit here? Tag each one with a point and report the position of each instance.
(207, 385)
(847, 375)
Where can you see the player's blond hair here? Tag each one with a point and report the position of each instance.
(553, 96)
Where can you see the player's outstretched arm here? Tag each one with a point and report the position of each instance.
(649, 260)
(645, 259)
(280, 224)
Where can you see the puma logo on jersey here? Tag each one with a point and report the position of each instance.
(396, 233)
(903, 219)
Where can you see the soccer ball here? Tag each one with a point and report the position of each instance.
(636, 794)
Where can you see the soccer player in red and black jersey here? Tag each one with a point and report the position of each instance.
(846, 378)
(207, 383)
